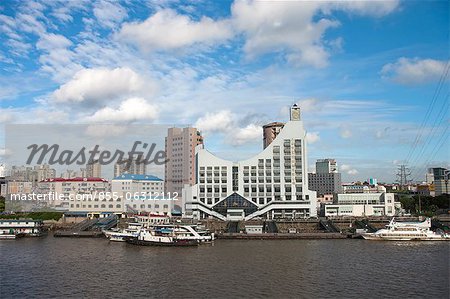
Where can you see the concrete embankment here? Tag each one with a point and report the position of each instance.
(271, 236)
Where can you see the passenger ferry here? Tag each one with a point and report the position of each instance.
(142, 221)
(171, 235)
(118, 235)
(15, 228)
(407, 231)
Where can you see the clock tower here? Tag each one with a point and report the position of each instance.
(295, 113)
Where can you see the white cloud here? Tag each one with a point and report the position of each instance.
(109, 13)
(100, 130)
(283, 26)
(307, 105)
(4, 152)
(56, 58)
(247, 134)
(93, 85)
(368, 7)
(293, 28)
(5, 117)
(312, 137)
(166, 30)
(345, 133)
(50, 41)
(345, 167)
(348, 169)
(133, 109)
(413, 71)
(229, 124)
(215, 122)
(352, 172)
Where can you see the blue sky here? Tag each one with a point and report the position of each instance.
(364, 72)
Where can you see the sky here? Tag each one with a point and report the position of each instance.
(371, 77)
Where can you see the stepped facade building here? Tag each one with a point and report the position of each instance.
(272, 184)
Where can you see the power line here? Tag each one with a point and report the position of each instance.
(438, 121)
(436, 149)
(428, 112)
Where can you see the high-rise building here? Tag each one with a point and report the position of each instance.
(44, 172)
(272, 184)
(440, 180)
(2, 171)
(94, 170)
(31, 174)
(327, 179)
(326, 166)
(270, 132)
(429, 176)
(135, 166)
(180, 152)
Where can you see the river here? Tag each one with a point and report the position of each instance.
(59, 267)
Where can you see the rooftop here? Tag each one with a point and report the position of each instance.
(138, 177)
(77, 179)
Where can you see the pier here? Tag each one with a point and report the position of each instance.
(282, 236)
(89, 228)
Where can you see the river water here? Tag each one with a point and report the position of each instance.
(59, 267)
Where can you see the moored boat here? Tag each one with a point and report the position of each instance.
(407, 231)
(170, 235)
(8, 236)
(118, 235)
(159, 237)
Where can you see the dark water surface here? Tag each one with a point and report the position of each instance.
(58, 267)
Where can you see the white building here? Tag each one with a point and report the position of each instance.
(144, 193)
(362, 204)
(2, 171)
(80, 195)
(273, 184)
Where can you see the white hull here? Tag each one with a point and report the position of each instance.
(396, 238)
(119, 236)
(407, 231)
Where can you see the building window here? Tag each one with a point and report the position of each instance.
(235, 178)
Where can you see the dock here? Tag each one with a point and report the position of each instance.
(281, 236)
(77, 234)
(89, 228)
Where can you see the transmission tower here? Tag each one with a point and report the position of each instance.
(403, 176)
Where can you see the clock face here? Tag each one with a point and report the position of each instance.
(295, 115)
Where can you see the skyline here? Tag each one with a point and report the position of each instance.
(364, 73)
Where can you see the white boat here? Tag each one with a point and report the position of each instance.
(189, 232)
(120, 235)
(8, 236)
(171, 235)
(142, 221)
(407, 231)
